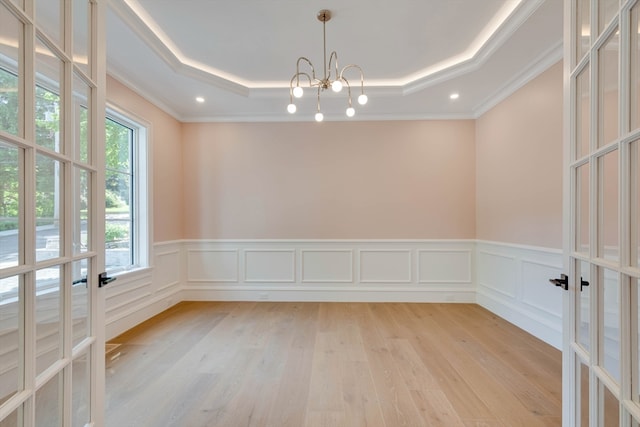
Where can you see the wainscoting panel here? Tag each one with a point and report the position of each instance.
(327, 265)
(270, 265)
(498, 272)
(139, 295)
(385, 266)
(213, 265)
(513, 282)
(444, 266)
(536, 288)
(334, 270)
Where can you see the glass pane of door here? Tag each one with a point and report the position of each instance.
(609, 239)
(582, 113)
(49, 15)
(583, 28)
(80, 302)
(634, 88)
(636, 350)
(82, 207)
(610, 327)
(48, 318)
(48, 207)
(10, 205)
(583, 393)
(607, 9)
(49, 403)
(611, 408)
(583, 307)
(81, 93)
(48, 98)
(634, 167)
(582, 208)
(81, 28)
(10, 337)
(608, 90)
(11, 105)
(81, 376)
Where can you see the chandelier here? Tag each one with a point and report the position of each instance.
(331, 77)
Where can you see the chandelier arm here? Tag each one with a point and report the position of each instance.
(318, 104)
(348, 88)
(296, 77)
(313, 70)
(346, 67)
(333, 56)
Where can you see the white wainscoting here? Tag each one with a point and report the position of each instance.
(330, 270)
(137, 296)
(512, 281)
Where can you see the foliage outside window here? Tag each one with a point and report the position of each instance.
(119, 194)
(126, 202)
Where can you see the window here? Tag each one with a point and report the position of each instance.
(126, 202)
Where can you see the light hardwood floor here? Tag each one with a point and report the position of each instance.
(331, 364)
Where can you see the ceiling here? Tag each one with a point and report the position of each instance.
(241, 55)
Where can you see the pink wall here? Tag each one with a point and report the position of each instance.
(519, 165)
(496, 178)
(166, 153)
(343, 180)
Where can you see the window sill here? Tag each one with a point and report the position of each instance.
(130, 274)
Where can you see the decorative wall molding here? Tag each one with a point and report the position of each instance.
(513, 282)
(334, 270)
(326, 265)
(213, 265)
(139, 295)
(509, 280)
(385, 265)
(445, 266)
(269, 265)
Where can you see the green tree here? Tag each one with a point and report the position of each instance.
(9, 191)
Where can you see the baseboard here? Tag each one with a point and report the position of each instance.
(535, 325)
(140, 313)
(330, 295)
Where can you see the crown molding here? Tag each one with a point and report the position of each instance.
(143, 94)
(180, 66)
(533, 70)
(189, 68)
(497, 39)
(515, 20)
(281, 118)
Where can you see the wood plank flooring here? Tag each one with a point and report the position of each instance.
(233, 364)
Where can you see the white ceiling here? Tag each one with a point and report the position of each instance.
(240, 55)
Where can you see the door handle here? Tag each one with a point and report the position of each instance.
(104, 280)
(563, 282)
(583, 283)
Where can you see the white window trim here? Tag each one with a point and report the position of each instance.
(143, 188)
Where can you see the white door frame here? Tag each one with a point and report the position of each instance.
(609, 253)
(76, 353)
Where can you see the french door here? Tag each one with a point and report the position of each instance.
(52, 77)
(602, 213)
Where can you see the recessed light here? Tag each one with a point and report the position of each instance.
(454, 96)
(200, 99)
